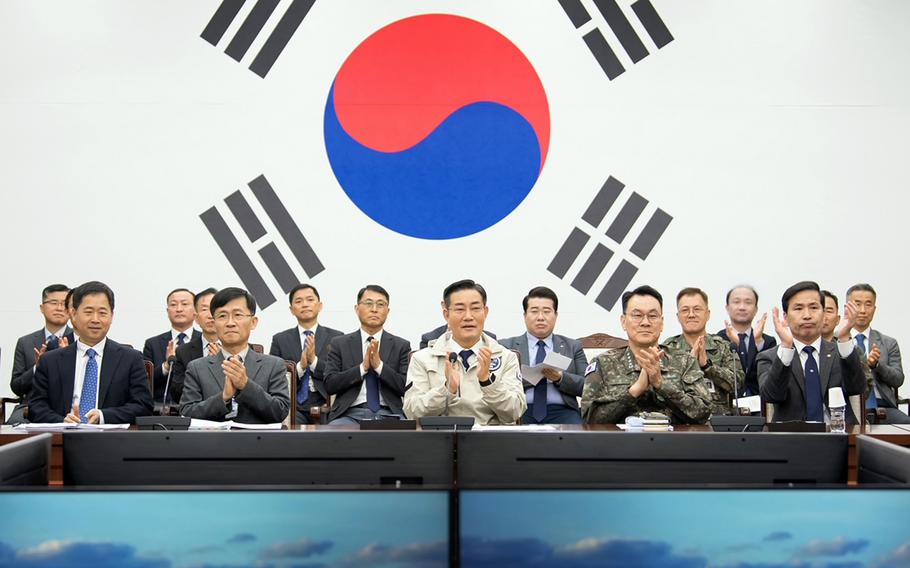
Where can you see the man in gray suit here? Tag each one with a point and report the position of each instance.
(366, 369)
(797, 376)
(29, 348)
(306, 305)
(883, 355)
(551, 401)
(236, 383)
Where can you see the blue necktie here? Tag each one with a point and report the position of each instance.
(303, 386)
(465, 355)
(744, 350)
(539, 412)
(872, 401)
(372, 380)
(89, 386)
(52, 342)
(814, 403)
(181, 339)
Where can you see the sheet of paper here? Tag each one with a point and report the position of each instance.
(242, 426)
(62, 426)
(515, 428)
(200, 424)
(553, 360)
(753, 403)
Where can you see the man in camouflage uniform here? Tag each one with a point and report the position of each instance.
(719, 364)
(644, 377)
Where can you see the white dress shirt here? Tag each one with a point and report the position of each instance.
(303, 339)
(79, 379)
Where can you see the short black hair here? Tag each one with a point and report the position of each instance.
(827, 294)
(175, 290)
(53, 288)
(737, 287)
(642, 291)
(199, 295)
(692, 291)
(373, 288)
(540, 292)
(800, 287)
(68, 300)
(466, 284)
(303, 286)
(225, 295)
(861, 287)
(89, 288)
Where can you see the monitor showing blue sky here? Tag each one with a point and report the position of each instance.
(698, 528)
(264, 529)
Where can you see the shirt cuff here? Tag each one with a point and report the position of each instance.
(786, 355)
(299, 369)
(100, 417)
(845, 348)
(379, 368)
(313, 364)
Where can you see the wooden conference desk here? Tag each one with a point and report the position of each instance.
(899, 435)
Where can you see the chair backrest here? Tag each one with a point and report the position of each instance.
(597, 343)
(257, 347)
(150, 371)
(3, 402)
(291, 420)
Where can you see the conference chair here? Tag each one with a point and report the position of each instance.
(257, 347)
(291, 420)
(8, 400)
(597, 343)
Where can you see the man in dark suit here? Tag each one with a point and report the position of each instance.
(882, 353)
(554, 399)
(236, 383)
(366, 370)
(797, 376)
(161, 349)
(306, 305)
(748, 340)
(197, 347)
(94, 380)
(30, 348)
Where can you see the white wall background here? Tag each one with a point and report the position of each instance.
(773, 131)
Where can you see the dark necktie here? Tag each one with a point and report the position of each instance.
(465, 355)
(181, 339)
(743, 351)
(372, 380)
(814, 404)
(303, 385)
(871, 402)
(89, 386)
(53, 342)
(539, 412)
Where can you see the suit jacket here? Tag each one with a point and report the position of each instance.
(785, 387)
(751, 381)
(264, 400)
(573, 379)
(286, 344)
(123, 388)
(343, 365)
(429, 336)
(888, 373)
(24, 361)
(155, 350)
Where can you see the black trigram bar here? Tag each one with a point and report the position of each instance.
(238, 259)
(603, 53)
(592, 268)
(623, 29)
(604, 199)
(652, 233)
(615, 286)
(286, 226)
(251, 28)
(576, 12)
(242, 211)
(627, 217)
(568, 252)
(650, 19)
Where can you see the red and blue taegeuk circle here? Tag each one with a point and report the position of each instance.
(437, 126)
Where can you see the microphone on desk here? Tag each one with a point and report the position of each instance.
(167, 384)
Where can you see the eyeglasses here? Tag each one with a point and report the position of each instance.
(224, 317)
(461, 311)
(697, 310)
(637, 317)
(370, 304)
(55, 303)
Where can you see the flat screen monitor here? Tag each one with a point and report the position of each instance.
(689, 527)
(506, 459)
(882, 462)
(326, 457)
(26, 462)
(278, 528)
